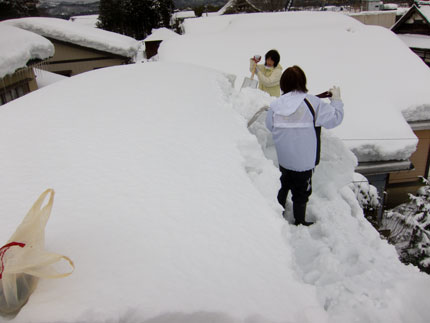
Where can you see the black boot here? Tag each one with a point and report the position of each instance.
(299, 214)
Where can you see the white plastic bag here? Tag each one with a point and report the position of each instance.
(23, 259)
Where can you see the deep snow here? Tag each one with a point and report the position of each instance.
(167, 205)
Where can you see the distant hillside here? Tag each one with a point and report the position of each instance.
(66, 9)
(61, 9)
(182, 4)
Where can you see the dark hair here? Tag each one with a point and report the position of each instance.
(274, 56)
(293, 79)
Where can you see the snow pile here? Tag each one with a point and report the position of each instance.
(161, 34)
(78, 34)
(167, 205)
(20, 46)
(333, 49)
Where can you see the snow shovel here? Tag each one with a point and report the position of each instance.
(250, 82)
(256, 115)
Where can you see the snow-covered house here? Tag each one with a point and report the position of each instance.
(414, 29)
(332, 48)
(19, 52)
(178, 18)
(79, 48)
(378, 18)
(153, 41)
(167, 206)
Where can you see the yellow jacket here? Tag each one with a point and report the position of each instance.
(268, 78)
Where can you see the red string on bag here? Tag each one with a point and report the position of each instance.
(3, 251)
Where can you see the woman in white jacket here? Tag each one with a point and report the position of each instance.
(294, 129)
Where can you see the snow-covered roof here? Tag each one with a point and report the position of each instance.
(161, 34)
(210, 14)
(415, 40)
(20, 46)
(88, 20)
(332, 49)
(425, 10)
(371, 13)
(390, 6)
(183, 14)
(231, 3)
(401, 11)
(167, 206)
(78, 34)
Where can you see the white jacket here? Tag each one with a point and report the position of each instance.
(292, 127)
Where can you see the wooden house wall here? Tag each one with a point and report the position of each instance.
(17, 84)
(420, 160)
(400, 184)
(70, 59)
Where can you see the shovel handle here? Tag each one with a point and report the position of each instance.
(253, 70)
(326, 94)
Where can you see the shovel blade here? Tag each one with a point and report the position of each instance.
(247, 82)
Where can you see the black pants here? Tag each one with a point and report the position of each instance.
(300, 184)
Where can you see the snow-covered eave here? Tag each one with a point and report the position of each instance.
(21, 50)
(371, 13)
(100, 51)
(420, 125)
(416, 41)
(383, 167)
(31, 63)
(117, 53)
(183, 15)
(88, 37)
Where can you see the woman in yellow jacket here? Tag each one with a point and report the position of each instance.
(268, 74)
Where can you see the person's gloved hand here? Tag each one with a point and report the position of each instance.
(252, 63)
(335, 93)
